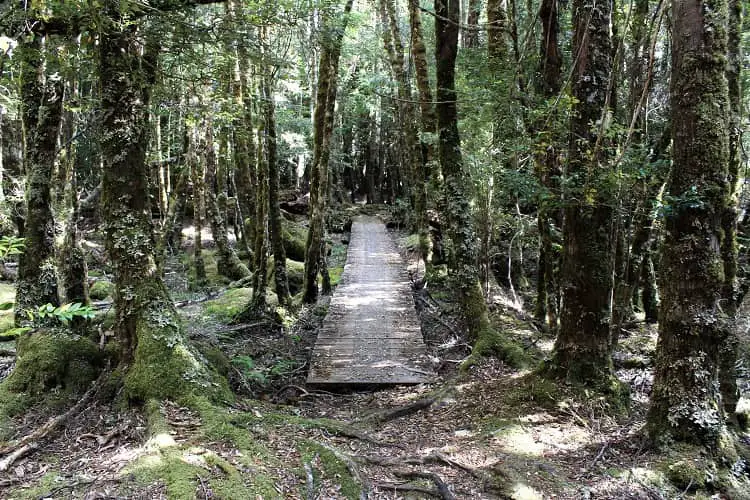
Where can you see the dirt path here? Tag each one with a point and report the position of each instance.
(371, 334)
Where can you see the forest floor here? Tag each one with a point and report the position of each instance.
(483, 431)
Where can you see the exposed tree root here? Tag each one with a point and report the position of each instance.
(401, 411)
(443, 491)
(406, 487)
(352, 467)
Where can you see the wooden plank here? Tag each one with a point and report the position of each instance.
(371, 334)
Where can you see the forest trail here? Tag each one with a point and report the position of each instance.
(371, 334)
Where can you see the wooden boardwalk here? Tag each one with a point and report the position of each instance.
(371, 334)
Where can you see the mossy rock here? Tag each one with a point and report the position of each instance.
(491, 342)
(295, 275)
(229, 304)
(49, 359)
(688, 474)
(295, 240)
(101, 289)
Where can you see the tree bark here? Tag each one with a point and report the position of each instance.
(686, 402)
(156, 361)
(195, 164)
(583, 347)
(281, 282)
(332, 39)
(729, 250)
(460, 228)
(227, 262)
(41, 109)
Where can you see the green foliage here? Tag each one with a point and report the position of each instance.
(101, 289)
(63, 314)
(10, 245)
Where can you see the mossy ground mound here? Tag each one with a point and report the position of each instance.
(54, 359)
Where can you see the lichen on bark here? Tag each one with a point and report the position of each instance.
(156, 359)
(686, 403)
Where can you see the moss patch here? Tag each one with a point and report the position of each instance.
(101, 289)
(331, 468)
(229, 304)
(48, 359)
(491, 342)
(294, 237)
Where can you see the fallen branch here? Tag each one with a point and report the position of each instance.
(432, 458)
(310, 482)
(6, 462)
(406, 487)
(54, 422)
(401, 411)
(444, 491)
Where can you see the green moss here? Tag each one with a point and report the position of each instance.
(168, 467)
(295, 275)
(687, 475)
(11, 404)
(295, 237)
(48, 359)
(166, 365)
(44, 487)
(229, 304)
(491, 342)
(411, 242)
(335, 274)
(101, 289)
(332, 468)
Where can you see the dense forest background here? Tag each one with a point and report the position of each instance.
(577, 166)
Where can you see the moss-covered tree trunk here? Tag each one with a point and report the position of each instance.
(242, 129)
(41, 107)
(227, 262)
(156, 361)
(195, 163)
(421, 74)
(729, 251)
(407, 116)
(548, 169)
(686, 403)
(460, 224)
(260, 245)
(583, 347)
(331, 40)
(275, 228)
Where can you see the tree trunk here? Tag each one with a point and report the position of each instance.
(281, 282)
(416, 167)
(156, 360)
(199, 208)
(583, 347)
(227, 262)
(332, 39)
(421, 72)
(548, 169)
(686, 402)
(460, 227)
(729, 251)
(471, 31)
(42, 111)
(260, 245)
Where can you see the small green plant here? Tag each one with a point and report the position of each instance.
(64, 313)
(248, 369)
(10, 245)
